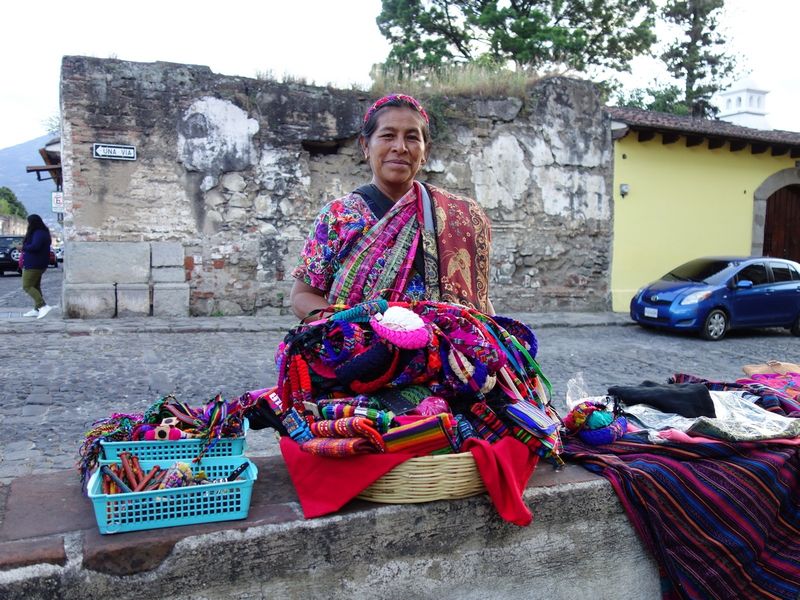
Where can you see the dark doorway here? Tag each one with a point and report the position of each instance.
(782, 224)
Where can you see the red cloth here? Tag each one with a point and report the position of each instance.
(324, 485)
(505, 468)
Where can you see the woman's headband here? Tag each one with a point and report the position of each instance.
(412, 102)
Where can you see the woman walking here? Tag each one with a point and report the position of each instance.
(36, 256)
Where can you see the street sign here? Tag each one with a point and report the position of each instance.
(57, 201)
(114, 151)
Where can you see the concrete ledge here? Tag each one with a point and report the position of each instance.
(89, 300)
(133, 300)
(171, 299)
(458, 549)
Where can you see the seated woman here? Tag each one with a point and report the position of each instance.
(395, 238)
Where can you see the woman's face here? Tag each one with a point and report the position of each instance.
(396, 150)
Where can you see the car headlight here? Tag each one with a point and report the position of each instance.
(638, 294)
(695, 297)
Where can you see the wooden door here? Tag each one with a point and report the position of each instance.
(782, 224)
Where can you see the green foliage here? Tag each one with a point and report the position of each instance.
(10, 205)
(532, 34)
(698, 58)
(666, 98)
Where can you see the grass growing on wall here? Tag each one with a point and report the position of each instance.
(471, 79)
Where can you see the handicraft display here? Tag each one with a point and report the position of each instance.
(417, 378)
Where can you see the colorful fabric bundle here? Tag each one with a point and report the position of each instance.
(337, 447)
(347, 428)
(576, 418)
(431, 435)
(595, 425)
(296, 426)
(380, 419)
(605, 435)
(360, 400)
(464, 431)
(487, 424)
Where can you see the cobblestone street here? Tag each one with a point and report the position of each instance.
(60, 375)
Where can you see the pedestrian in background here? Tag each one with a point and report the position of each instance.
(35, 258)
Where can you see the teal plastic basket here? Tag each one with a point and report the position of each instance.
(135, 511)
(174, 450)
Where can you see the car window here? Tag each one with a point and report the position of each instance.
(710, 270)
(795, 273)
(780, 272)
(757, 273)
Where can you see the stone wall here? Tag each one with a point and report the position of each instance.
(234, 170)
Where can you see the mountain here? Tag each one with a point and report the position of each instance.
(34, 194)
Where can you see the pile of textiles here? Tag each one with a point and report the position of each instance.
(401, 380)
(775, 392)
(720, 514)
(167, 419)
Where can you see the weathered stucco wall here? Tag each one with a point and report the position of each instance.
(233, 170)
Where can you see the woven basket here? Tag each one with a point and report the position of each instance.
(427, 478)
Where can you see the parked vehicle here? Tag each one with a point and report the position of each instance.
(53, 258)
(60, 254)
(9, 253)
(712, 295)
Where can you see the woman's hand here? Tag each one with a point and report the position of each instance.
(305, 299)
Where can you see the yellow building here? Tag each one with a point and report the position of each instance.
(687, 187)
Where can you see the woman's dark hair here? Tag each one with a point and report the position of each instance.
(34, 223)
(396, 101)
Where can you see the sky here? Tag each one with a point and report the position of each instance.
(323, 41)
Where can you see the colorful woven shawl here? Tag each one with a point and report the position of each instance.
(721, 519)
(456, 256)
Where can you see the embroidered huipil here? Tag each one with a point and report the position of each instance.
(337, 230)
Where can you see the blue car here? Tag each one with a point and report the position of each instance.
(714, 294)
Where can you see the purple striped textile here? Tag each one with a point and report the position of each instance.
(721, 519)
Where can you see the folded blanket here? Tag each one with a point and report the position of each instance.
(721, 519)
(686, 399)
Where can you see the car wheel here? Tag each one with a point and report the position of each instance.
(715, 326)
(796, 326)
